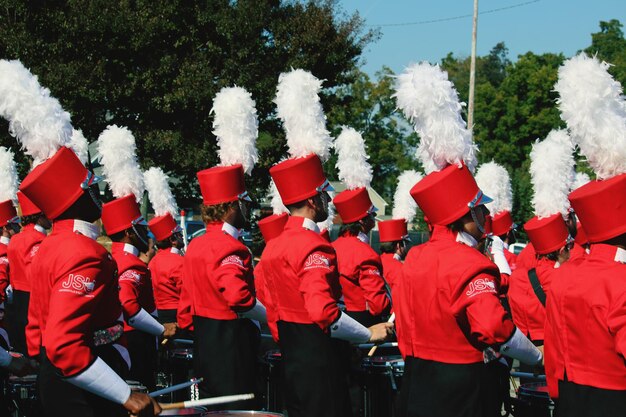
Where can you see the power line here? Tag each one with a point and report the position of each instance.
(447, 19)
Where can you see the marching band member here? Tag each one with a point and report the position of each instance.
(166, 266)
(586, 304)
(359, 266)
(449, 287)
(218, 266)
(300, 267)
(9, 221)
(128, 230)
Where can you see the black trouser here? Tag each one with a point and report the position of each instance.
(436, 389)
(315, 372)
(225, 355)
(142, 348)
(17, 318)
(584, 401)
(59, 398)
(167, 316)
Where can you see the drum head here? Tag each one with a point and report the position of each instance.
(242, 413)
(188, 412)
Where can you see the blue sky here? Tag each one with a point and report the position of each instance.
(541, 26)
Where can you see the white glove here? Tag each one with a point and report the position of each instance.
(519, 347)
(497, 251)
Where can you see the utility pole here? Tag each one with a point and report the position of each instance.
(470, 109)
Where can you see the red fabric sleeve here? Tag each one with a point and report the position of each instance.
(264, 296)
(129, 283)
(315, 275)
(477, 302)
(183, 314)
(230, 279)
(616, 321)
(73, 301)
(4, 277)
(33, 332)
(373, 285)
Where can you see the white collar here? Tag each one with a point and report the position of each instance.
(231, 230)
(5, 240)
(397, 257)
(363, 238)
(40, 229)
(506, 245)
(466, 239)
(620, 256)
(90, 230)
(311, 225)
(175, 250)
(557, 265)
(128, 248)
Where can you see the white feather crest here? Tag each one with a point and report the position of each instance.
(159, 192)
(298, 106)
(404, 206)
(8, 180)
(354, 170)
(117, 147)
(36, 119)
(78, 143)
(429, 100)
(328, 223)
(494, 180)
(276, 202)
(592, 105)
(236, 127)
(552, 173)
(580, 179)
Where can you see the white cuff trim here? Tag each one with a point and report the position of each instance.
(519, 347)
(257, 312)
(101, 380)
(346, 328)
(146, 323)
(5, 358)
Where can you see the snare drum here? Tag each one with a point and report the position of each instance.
(242, 413)
(23, 393)
(135, 386)
(382, 377)
(273, 379)
(533, 400)
(180, 365)
(186, 412)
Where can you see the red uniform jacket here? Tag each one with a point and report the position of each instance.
(450, 291)
(527, 258)
(264, 295)
(392, 268)
(577, 252)
(218, 272)
(586, 322)
(183, 313)
(74, 295)
(4, 271)
(22, 249)
(166, 269)
(300, 272)
(528, 313)
(135, 283)
(511, 258)
(362, 284)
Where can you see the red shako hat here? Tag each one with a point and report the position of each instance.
(447, 195)
(57, 183)
(222, 184)
(162, 227)
(600, 205)
(27, 207)
(392, 230)
(8, 214)
(273, 225)
(581, 237)
(548, 233)
(121, 214)
(299, 178)
(501, 223)
(353, 205)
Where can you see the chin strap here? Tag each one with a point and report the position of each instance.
(140, 237)
(481, 227)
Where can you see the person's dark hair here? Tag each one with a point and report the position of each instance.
(84, 208)
(163, 244)
(456, 226)
(116, 237)
(32, 219)
(297, 205)
(388, 247)
(214, 213)
(350, 229)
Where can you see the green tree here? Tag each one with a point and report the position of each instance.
(610, 45)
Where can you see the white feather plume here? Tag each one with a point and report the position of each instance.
(36, 119)
(117, 147)
(494, 181)
(429, 100)
(580, 179)
(298, 106)
(78, 143)
(592, 105)
(276, 202)
(404, 206)
(159, 192)
(552, 173)
(8, 180)
(354, 170)
(236, 127)
(328, 223)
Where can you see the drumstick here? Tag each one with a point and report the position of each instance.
(207, 401)
(392, 318)
(176, 387)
